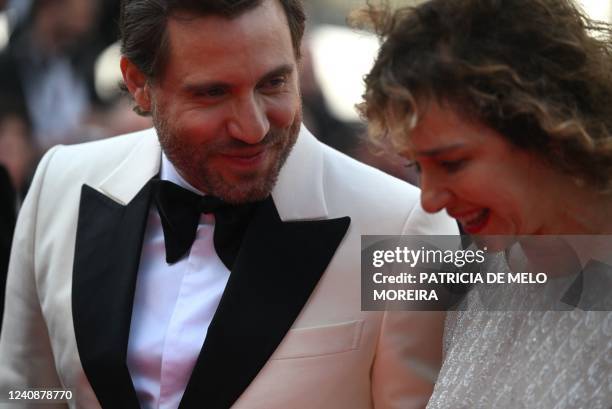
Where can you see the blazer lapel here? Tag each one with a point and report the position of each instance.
(110, 230)
(276, 270)
(107, 254)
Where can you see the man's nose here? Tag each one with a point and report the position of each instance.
(249, 122)
(434, 195)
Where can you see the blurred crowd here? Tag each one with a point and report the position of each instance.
(47, 80)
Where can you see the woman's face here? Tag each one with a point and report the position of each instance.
(480, 179)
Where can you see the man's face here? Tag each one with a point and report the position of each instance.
(227, 107)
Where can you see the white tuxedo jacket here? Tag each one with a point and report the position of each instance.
(289, 331)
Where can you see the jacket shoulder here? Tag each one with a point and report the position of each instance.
(382, 203)
(93, 161)
(355, 178)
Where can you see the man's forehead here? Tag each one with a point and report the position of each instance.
(213, 47)
(266, 18)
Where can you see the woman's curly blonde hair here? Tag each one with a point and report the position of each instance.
(537, 71)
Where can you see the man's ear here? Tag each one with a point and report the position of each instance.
(136, 82)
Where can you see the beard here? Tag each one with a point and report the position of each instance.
(193, 162)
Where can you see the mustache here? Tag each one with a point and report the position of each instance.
(273, 137)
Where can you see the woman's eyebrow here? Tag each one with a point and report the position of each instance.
(439, 150)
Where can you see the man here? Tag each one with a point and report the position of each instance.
(109, 298)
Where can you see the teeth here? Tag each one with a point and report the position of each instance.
(472, 218)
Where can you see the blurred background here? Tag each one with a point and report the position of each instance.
(59, 78)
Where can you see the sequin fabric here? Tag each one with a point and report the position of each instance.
(524, 359)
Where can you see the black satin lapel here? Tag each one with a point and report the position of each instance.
(277, 268)
(108, 246)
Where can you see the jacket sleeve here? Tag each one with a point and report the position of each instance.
(409, 350)
(26, 358)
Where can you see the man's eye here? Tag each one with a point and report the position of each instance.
(274, 83)
(214, 92)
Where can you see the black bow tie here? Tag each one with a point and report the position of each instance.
(180, 211)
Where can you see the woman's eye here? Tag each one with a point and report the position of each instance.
(452, 165)
(414, 165)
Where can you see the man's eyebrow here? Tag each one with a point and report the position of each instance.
(439, 150)
(193, 88)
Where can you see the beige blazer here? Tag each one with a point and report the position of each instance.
(289, 331)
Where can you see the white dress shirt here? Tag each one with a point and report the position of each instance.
(173, 307)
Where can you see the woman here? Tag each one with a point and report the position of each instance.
(506, 108)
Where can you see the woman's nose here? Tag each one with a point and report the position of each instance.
(434, 195)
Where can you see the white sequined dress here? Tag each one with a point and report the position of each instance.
(524, 359)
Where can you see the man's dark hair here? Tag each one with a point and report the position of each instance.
(143, 25)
